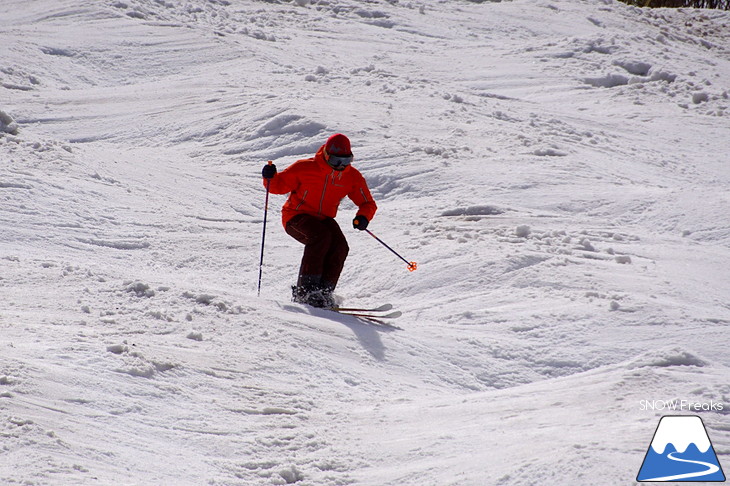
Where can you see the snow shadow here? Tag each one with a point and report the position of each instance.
(367, 334)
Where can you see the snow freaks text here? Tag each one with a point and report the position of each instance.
(676, 405)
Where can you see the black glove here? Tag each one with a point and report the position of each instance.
(360, 222)
(269, 171)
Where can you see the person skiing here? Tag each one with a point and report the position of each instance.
(316, 186)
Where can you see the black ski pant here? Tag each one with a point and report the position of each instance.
(325, 250)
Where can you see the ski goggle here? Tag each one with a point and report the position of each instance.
(338, 161)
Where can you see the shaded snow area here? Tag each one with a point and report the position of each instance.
(559, 170)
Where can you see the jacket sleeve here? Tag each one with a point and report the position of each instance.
(285, 181)
(361, 196)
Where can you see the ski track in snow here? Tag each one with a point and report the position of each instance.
(559, 171)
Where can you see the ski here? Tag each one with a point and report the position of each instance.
(370, 315)
(382, 308)
(367, 315)
(375, 321)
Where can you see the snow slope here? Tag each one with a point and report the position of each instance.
(558, 169)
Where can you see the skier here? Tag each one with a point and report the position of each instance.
(315, 187)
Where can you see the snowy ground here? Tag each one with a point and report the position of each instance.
(558, 169)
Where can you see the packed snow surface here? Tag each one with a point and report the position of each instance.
(559, 170)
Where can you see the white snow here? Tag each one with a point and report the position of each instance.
(559, 170)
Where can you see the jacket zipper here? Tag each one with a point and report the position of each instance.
(304, 196)
(324, 190)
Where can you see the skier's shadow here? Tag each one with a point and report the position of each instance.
(367, 333)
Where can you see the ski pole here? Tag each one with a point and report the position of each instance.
(411, 265)
(263, 236)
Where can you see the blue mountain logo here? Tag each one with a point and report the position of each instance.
(681, 451)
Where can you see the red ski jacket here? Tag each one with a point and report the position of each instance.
(316, 188)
